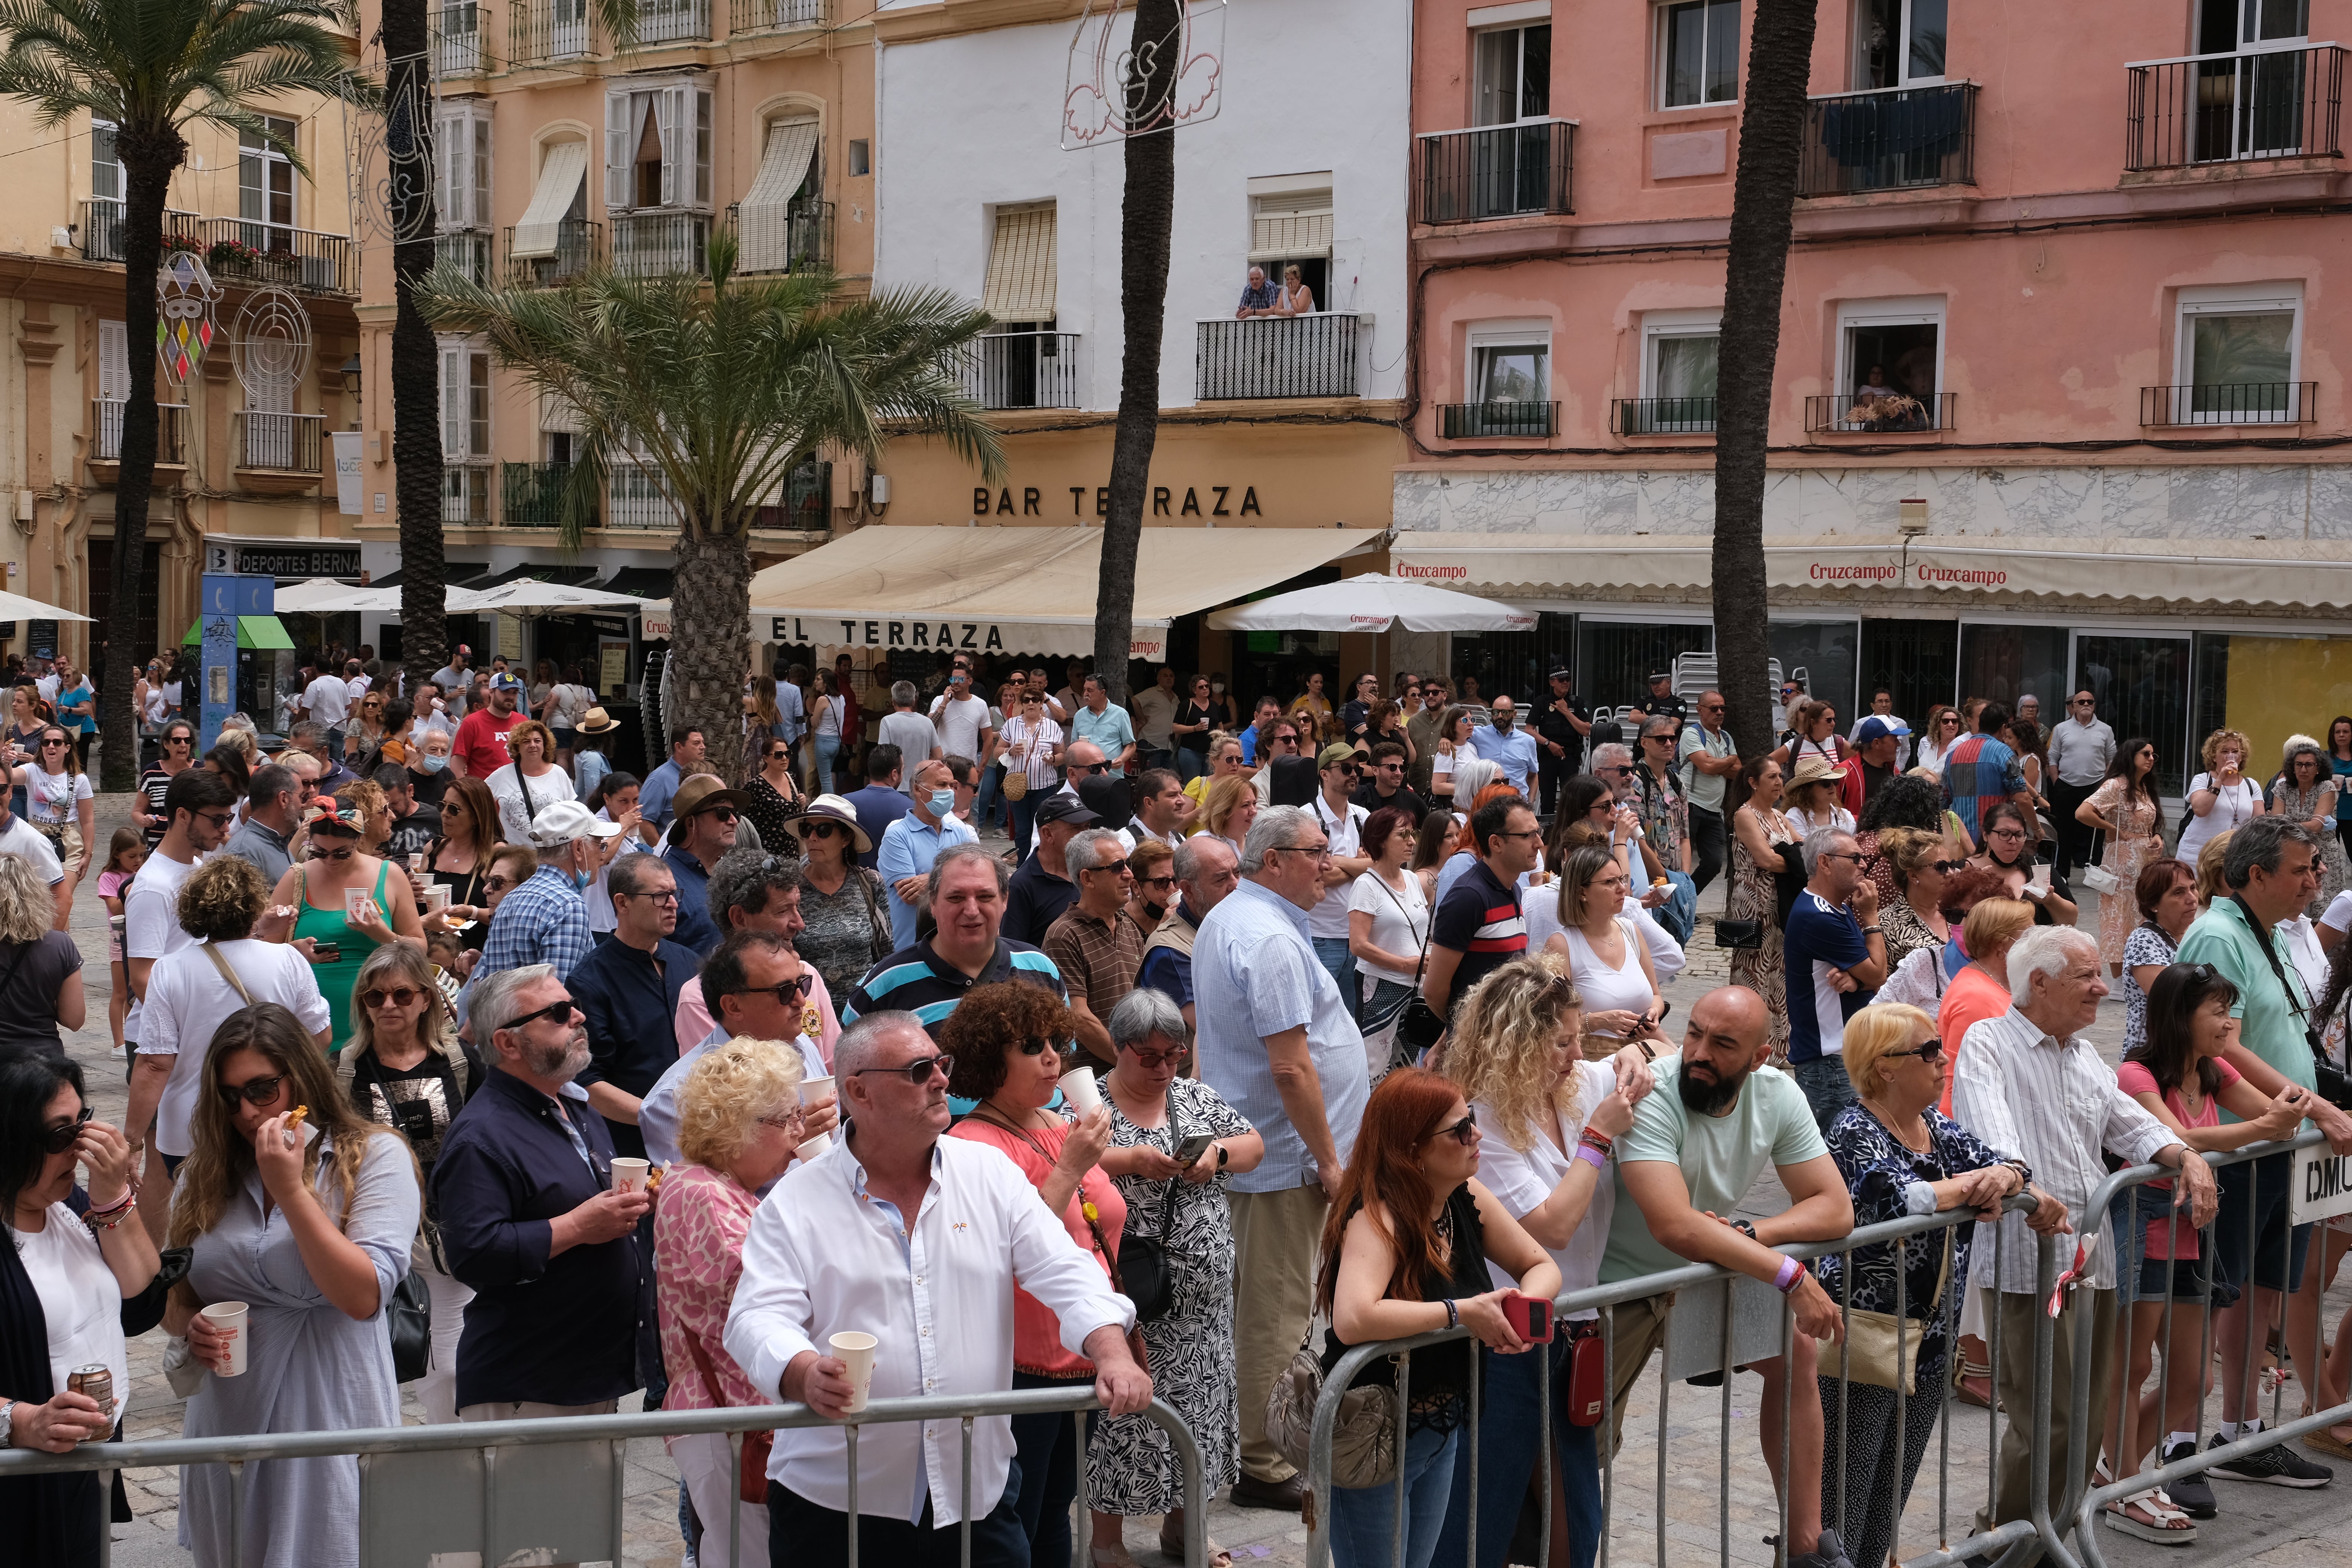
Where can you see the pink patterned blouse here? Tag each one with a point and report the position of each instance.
(700, 1217)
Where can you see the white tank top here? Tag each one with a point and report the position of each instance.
(1604, 989)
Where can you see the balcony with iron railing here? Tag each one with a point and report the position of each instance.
(807, 500)
(1501, 170)
(1317, 355)
(2262, 102)
(278, 443)
(466, 493)
(243, 250)
(106, 432)
(1510, 417)
(579, 245)
(661, 244)
(637, 498)
(547, 32)
(1889, 139)
(2229, 402)
(467, 250)
(461, 39)
(1021, 370)
(673, 21)
(794, 240)
(101, 228)
(1662, 416)
(1888, 414)
(774, 15)
(530, 495)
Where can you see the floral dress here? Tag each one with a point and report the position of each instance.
(1753, 897)
(2302, 805)
(1129, 1469)
(846, 933)
(2127, 851)
(2147, 943)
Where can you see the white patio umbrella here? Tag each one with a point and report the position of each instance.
(313, 597)
(16, 608)
(1373, 603)
(524, 596)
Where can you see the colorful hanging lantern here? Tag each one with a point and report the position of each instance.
(184, 293)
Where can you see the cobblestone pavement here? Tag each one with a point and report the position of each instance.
(2269, 1529)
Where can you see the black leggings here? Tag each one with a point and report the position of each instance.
(2344, 834)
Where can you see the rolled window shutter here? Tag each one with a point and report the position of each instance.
(113, 361)
(617, 149)
(1022, 284)
(1290, 228)
(454, 389)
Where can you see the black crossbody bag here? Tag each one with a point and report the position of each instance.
(2332, 1086)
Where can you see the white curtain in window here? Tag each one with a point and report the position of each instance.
(762, 216)
(1022, 283)
(551, 200)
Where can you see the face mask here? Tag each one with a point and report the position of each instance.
(583, 880)
(1217, 688)
(942, 802)
(434, 764)
(1155, 911)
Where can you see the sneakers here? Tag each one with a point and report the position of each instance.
(1826, 1553)
(2191, 1492)
(2278, 1466)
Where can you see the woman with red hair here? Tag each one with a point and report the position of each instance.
(1413, 1247)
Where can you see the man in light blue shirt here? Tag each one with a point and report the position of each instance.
(1510, 748)
(1106, 726)
(910, 844)
(1277, 1041)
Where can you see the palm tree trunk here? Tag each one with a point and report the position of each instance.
(1146, 216)
(148, 155)
(1763, 202)
(416, 368)
(710, 612)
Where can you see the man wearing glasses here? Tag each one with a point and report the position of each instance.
(760, 989)
(197, 807)
(1480, 925)
(2081, 748)
(1836, 960)
(1709, 759)
(531, 1221)
(1424, 721)
(1511, 748)
(1095, 943)
(700, 833)
(1342, 822)
(627, 990)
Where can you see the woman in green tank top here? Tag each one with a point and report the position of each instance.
(331, 921)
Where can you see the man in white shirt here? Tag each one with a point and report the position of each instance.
(1342, 822)
(327, 700)
(916, 1239)
(1160, 807)
(18, 837)
(44, 680)
(961, 719)
(198, 806)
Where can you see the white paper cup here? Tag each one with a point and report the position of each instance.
(416, 863)
(228, 1316)
(437, 896)
(2040, 879)
(856, 1353)
(812, 1091)
(353, 899)
(1078, 1087)
(629, 1175)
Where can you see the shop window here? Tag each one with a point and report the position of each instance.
(2240, 354)
(1915, 659)
(1899, 43)
(1698, 53)
(1513, 75)
(2269, 688)
(2002, 663)
(1614, 659)
(2142, 686)
(1519, 663)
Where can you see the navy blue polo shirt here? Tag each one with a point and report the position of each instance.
(1035, 899)
(630, 1006)
(695, 931)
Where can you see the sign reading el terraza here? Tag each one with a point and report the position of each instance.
(295, 558)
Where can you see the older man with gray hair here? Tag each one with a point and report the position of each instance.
(1836, 958)
(2034, 1087)
(916, 737)
(1279, 1043)
(1206, 870)
(1095, 943)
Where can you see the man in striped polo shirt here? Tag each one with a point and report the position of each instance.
(1479, 925)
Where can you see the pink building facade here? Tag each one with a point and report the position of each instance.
(2062, 392)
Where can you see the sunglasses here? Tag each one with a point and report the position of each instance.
(1948, 867)
(822, 830)
(57, 1140)
(779, 754)
(723, 813)
(398, 997)
(917, 1072)
(1168, 881)
(561, 1012)
(345, 853)
(786, 992)
(253, 1091)
(46, 744)
(1462, 1132)
(1176, 1057)
(1090, 767)
(1928, 1051)
(498, 884)
(1035, 1047)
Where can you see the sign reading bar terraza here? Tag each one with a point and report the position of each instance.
(934, 635)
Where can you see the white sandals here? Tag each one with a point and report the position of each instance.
(2172, 1527)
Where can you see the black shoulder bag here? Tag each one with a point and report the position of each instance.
(1418, 1026)
(2332, 1086)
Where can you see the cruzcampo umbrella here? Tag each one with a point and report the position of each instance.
(1372, 603)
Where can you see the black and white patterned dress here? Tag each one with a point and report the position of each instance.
(1130, 1470)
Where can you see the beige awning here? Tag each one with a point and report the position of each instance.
(1291, 226)
(763, 219)
(551, 200)
(2282, 573)
(1022, 284)
(1020, 590)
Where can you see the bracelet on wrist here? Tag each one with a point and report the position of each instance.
(1592, 1157)
(1453, 1314)
(1792, 1271)
(1593, 1135)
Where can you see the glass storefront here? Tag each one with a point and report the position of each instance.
(1822, 656)
(1916, 660)
(2002, 663)
(1614, 659)
(2142, 687)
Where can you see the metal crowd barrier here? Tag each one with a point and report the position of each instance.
(526, 1476)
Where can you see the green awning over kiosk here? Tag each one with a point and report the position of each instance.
(253, 632)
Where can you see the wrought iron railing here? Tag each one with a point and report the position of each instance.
(101, 228)
(636, 497)
(1501, 170)
(1021, 370)
(794, 240)
(673, 21)
(466, 494)
(1662, 416)
(530, 495)
(244, 249)
(2219, 109)
(540, 32)
(1892, 138)
(655, 245)
(1461, 421)
(1279, 356)
(461, 43)
(774, 15)
(467, 250)
(284, 443)
(106, 431)
(579, 245)
(1894, 414)
(2229, 402)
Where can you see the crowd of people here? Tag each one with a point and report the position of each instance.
(1263, 1042)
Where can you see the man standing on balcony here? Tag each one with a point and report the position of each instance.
(1260, 298)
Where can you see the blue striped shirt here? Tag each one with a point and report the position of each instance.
(916, 980)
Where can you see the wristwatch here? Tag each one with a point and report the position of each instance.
(1746, 1229)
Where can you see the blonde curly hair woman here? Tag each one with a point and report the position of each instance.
(1552, 1119)
(2221, 797)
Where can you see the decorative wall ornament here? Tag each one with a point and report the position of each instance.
(1098, 99)
(389, 157)
(184, 296)
(271, 348)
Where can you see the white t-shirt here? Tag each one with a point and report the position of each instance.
(505, 786)
(601, 915)
(327, 700)
(1329, 918)
(53, 797)
(80, 1300)
(1400, 921)
(151, 919)
(1155, 713)
(20, 839)
(1521, 1182)
(2339, 915)
(571, 706)
(2233, 808)
(187, 999)
(959, 725)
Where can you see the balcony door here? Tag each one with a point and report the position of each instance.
(1511, 168)
(1898, 43)
(265, 187)
(2250, 102)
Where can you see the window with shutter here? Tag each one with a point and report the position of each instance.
(658, 145)
(113, 361)
(105, 169)
(1023, 281)
(618, 164)
(454, 389)
(464, 144)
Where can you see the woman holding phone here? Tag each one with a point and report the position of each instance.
(1604, 954)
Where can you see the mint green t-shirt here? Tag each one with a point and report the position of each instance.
(1721, 1156)
(2268, 1022)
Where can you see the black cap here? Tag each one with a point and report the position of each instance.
(1060, 807)
(1562, 675)
(1108, 796)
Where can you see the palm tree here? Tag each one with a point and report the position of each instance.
(1763, 209)
(1147, 214)
(156, 69)
(716, 392)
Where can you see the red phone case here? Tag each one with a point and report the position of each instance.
(1519, 1312)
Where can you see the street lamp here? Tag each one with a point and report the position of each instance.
(351, 368)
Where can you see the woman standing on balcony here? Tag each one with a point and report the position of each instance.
(1295, 298)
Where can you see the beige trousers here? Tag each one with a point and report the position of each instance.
(1276, 1240)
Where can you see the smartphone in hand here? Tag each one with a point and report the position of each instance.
(1188, 1152)
(1529, 1316)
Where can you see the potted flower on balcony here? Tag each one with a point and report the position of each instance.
(234, 259)
(175, 241)
(1888, 410)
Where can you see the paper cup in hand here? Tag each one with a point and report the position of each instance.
(437, 896)
(1078, 1087)
(354, 900)
(812, 1091)
(228, 1316)
(629, 1175)
(2040, 880)
(856, 1353)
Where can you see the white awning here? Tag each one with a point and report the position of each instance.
(762, 216)
(1291, 226)
(1020, 590)
(551, 200)
(1022, 284)
(2283, 572)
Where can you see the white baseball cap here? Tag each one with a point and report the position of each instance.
(566, 822)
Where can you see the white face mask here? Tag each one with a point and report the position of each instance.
(1217, 686)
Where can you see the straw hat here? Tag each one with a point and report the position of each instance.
(829, 808)
(698, 794)
(595, 722)
(1812, 771)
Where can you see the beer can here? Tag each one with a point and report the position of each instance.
(96, 1381)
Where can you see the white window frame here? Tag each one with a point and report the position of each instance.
(458, 447)
(1478, 39)
(1903, 76)
(122, 179)
(1659, 69)
(1521, 332)
(268, 157)
(1659, 325)
(1917, 310)
(462, 132)
(2239, 299)
(682, 110)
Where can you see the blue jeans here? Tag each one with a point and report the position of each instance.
(1048, 1455)
(1024, 813)
(828, 747)
(1340, 965)
(1828, 1089)
(1363, 1518)
(1679, 913)
(984, 808)
(1507, 1450)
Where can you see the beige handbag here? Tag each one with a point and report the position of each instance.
(1016, 783)
(1363, 1434)
(1882, 1350)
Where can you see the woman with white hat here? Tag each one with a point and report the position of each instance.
(842, 902)
(1811, 797)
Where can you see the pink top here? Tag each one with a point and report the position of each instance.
(2177, 1239)
(700, 1217)
(1971, 998)
(1036, 1331)
(694, 1023)
(111, 883)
